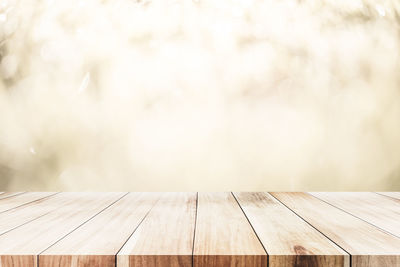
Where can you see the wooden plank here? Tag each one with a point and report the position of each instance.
(368, 245)
(9, 194)
(22, 199)
(378, 210)
(165, 238)
(390, 194)
(20, 247)
(223, 236)
(288, 240)
(98, 241)
(18, 216)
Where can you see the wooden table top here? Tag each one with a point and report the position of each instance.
(199, 229)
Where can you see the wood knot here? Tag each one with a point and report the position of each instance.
(300, 250)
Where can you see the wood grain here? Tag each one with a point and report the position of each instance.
(390, 194)
(9, 194)
(165, 237)
(368, 245)
(98, 241)
(18, 200)
(289, 240)
(20, 247)
(18, 216)
(18, 260)
(213, 229)
(378, 210)
(223, 236)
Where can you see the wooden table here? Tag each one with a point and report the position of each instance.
(199, 229)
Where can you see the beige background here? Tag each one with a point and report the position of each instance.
(199, 95)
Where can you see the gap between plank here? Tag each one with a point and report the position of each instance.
(383, 230)
(27, 202)
(312, 226)
(144, 217)
(195, 224)
(252, 228)
(387, 196)
(78, 227)
(25, 223)
(32, 219)
(20, 193)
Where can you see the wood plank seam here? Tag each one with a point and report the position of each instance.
(37, 258)
(24, 224)
(194, 230)
(360, 257)
(165, 237)
(224, 236)
(386, 196)
(23, 215)
(37, 200)
(17, 194)
(383, 230)
(144, 217)
(245, 215)
(27, 202)
(96, 242)
(368, 245)
(288, 240)
(314, 227)
(22, 247)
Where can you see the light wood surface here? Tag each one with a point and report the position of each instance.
(18, 216)
(18, 200)
(368, 245)
(173, 218)
(390, 194)
(223, 236)
(100, 239)
(288, 239)
(22, 245)
(9, 194)
(378, 210)
(199, 229)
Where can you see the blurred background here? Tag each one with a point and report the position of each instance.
(172, 95)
